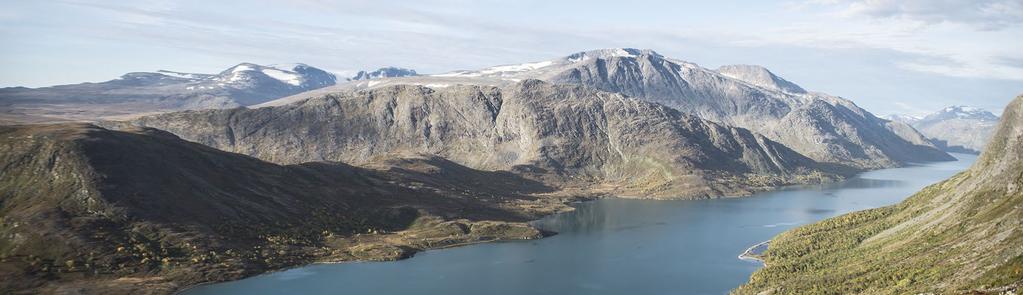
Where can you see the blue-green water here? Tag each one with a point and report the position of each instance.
(612, 246)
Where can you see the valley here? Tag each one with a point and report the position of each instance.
(166, 180)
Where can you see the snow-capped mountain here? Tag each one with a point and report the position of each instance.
(908, 119)
(957, 128)
(959, 112)
(241, 85)
(823, 127)
(387, 72)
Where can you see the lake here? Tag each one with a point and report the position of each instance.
(612, 246)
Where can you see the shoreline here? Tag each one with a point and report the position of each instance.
(543, 234)
(750, 253)
(579, 199)
(755, 252)
(328, 262)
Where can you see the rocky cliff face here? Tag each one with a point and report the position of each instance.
(240, 85)
(745, 96)
(958, 236)
(89, 210)
(825, 128)
(562, 133)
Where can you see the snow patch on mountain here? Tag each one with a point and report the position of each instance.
(182, 75)
(286, 77)
(386, 72)
(516, 68)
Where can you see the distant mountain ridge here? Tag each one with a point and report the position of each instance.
(955, 128)
(387, 72)
(163, 90)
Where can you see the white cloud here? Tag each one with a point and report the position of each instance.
(981, 14)
(946, 37)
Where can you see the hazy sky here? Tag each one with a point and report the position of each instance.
(910, 56)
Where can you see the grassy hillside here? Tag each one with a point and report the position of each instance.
(85, 209)
(962, 235)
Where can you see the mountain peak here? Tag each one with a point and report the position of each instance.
(385, 72)
(961, 112)
(290, 66)
(760, 76)
(612, 52)
(295, 75)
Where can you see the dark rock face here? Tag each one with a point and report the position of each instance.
(960, 236)
(243, 84)
(568, 132)
(825, 128)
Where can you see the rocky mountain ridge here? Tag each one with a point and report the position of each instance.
(142, 92)
(386, 72)
(564, 134)
(823, 127)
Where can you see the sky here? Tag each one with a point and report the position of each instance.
(909, 56)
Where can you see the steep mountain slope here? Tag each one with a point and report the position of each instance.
(388, 72)
(563, 134)
(960, 235)
(759, 76)
(823, 127)
(959, 128)
(85, 209)
(243, 84)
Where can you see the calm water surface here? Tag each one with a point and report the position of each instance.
(611, 246)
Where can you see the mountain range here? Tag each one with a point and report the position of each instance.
(145, 92)
(955, 128)
(162, 91)
(568, 134)
(823, 127)
(959, 236)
